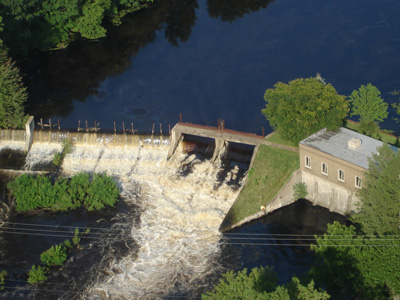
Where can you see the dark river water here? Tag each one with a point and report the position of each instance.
(214, 60)
(207, 60)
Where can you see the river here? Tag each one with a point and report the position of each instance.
(208, 60)
(162, 239)
(214, 60)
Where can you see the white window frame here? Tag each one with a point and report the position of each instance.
(356, 182)
(322, 168)
(340, 179)
(307, 159)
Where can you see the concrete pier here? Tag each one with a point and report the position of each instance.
(221, 136)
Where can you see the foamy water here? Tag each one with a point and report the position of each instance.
(177, 234)
(41, 153)
(13, 145)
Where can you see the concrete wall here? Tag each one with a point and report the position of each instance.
(12, 135)
(29, 127)
(329, 195)
(285, 195)
(334, 164)
(321, 192)
(93, 138)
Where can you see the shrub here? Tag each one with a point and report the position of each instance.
(55, 256)
(32, 192)
(78, 187)
(300, 190)
(3, 275)
(59, 157)
(102, 190)
(67, 244)
(76, 239)
(37, 274)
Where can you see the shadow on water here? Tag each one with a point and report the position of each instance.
(198, 149)
(272, 241)
(235, 164)
(229, 11)
(280, 239)
(54, 79)
(12, 159)
(57, 78)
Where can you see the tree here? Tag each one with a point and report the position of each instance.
(261, 283)
(12, 94)
(368, 104)
(304, 106)
(46, 24)
(380, 194)
(55, 256)
(89, 24)
(37, 274)
(351, 264)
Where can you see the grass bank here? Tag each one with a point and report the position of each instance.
(272, 168)
(277, 139)
(382, 136)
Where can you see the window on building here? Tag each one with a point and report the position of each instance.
(308, 162)
(341, 175)
(324, 168)
(358, 182)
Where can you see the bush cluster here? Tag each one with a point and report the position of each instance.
(53, 257)
(34, 192)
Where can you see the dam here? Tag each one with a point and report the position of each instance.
(171, 231)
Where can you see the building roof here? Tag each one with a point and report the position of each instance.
(336, 143)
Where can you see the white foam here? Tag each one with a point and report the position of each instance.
(178, 234)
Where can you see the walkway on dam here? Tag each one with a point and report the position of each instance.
(218, 133)
(226, 134)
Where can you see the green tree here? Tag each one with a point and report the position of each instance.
(367, 103)
(261, 283)
(61, 16)
(304, 106)
(380, 194)
(55, 256)
(38, 274)
(12, 94)
(353, 265)
(48, 24)
(89, 25)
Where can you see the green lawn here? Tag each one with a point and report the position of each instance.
(383, 136)
(276, 138)
(272, 168)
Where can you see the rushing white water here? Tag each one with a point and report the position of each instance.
(177, 234)
(13, 145)
(41, 153)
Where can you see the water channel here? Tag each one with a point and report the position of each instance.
(206, 60)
